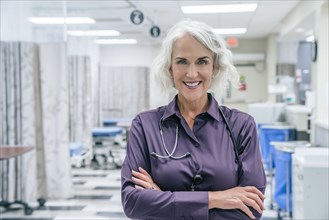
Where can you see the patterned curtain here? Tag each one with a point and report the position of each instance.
(17, 115)
(34, 112)
(80, 106)
(124, 91)
(55, 119)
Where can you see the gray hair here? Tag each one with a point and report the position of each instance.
(224, 71)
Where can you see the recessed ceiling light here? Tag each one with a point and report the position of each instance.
(230, 31)
(61, 20)
(93, 33)
(310, 38)
(200, 9)
(116, 41)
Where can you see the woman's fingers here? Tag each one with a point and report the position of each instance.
(141, 176)
(144, 172)
(143, 179)
(256, 198)
(251, 203)
(140, 182)
(241, 205)
(243, 198)
(138, 187)
(237, 203)
(248, 198)
(253, 189)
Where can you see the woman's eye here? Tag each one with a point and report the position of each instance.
(181, 62)
(202, 62)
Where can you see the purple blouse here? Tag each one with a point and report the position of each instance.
(211, 156)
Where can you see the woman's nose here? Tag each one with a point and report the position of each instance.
(192, 71)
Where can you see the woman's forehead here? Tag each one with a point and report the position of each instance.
(187, 45)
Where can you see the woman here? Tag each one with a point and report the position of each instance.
(181, 161)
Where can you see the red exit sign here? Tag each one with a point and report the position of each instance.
(232, 42)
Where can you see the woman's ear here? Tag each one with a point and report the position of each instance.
(170, 72)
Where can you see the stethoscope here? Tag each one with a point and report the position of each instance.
(171, 154)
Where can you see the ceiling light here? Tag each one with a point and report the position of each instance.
(299, 30)
(310, 38)
(230, 30)
(200, 9)
(93, 33)
(116, 41)
(61, 20)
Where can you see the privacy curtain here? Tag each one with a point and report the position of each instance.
(124, 91)
(17, 116)
(34, 112)
(80, 103)
(55, 119)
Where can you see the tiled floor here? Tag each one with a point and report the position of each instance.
(97, 196)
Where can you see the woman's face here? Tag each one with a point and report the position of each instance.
(192, 68)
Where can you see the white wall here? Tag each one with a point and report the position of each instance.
(256, 77)
(271, 62)
(321, 78)
(13, 21)
(134, 55)
(256, 80)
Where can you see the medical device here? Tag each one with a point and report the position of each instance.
(171, 154)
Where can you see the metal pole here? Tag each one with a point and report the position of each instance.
(271, 180)
(288, 189)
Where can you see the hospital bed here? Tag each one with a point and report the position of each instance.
(105, 146)
(125, 123)
(78, 154)
(108, 122)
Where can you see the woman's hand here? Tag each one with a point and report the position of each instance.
(238, 198)
(143, 180)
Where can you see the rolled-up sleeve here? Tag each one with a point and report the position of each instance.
(154, 204)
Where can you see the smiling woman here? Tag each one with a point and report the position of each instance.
(191, 70)
(213, 45)
(184, 160)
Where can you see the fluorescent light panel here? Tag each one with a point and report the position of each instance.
(61, 20)
(93, 33)
(116, 41)
(230, 31)
(201, 9)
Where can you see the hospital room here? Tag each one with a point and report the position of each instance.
(156, 109)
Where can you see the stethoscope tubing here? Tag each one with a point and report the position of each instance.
(169, 155)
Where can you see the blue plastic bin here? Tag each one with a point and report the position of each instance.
(283, 165)
(283, 172)
(270, 133)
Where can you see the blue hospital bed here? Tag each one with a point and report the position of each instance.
(108, 122)
(78, 154)
(105, 146)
